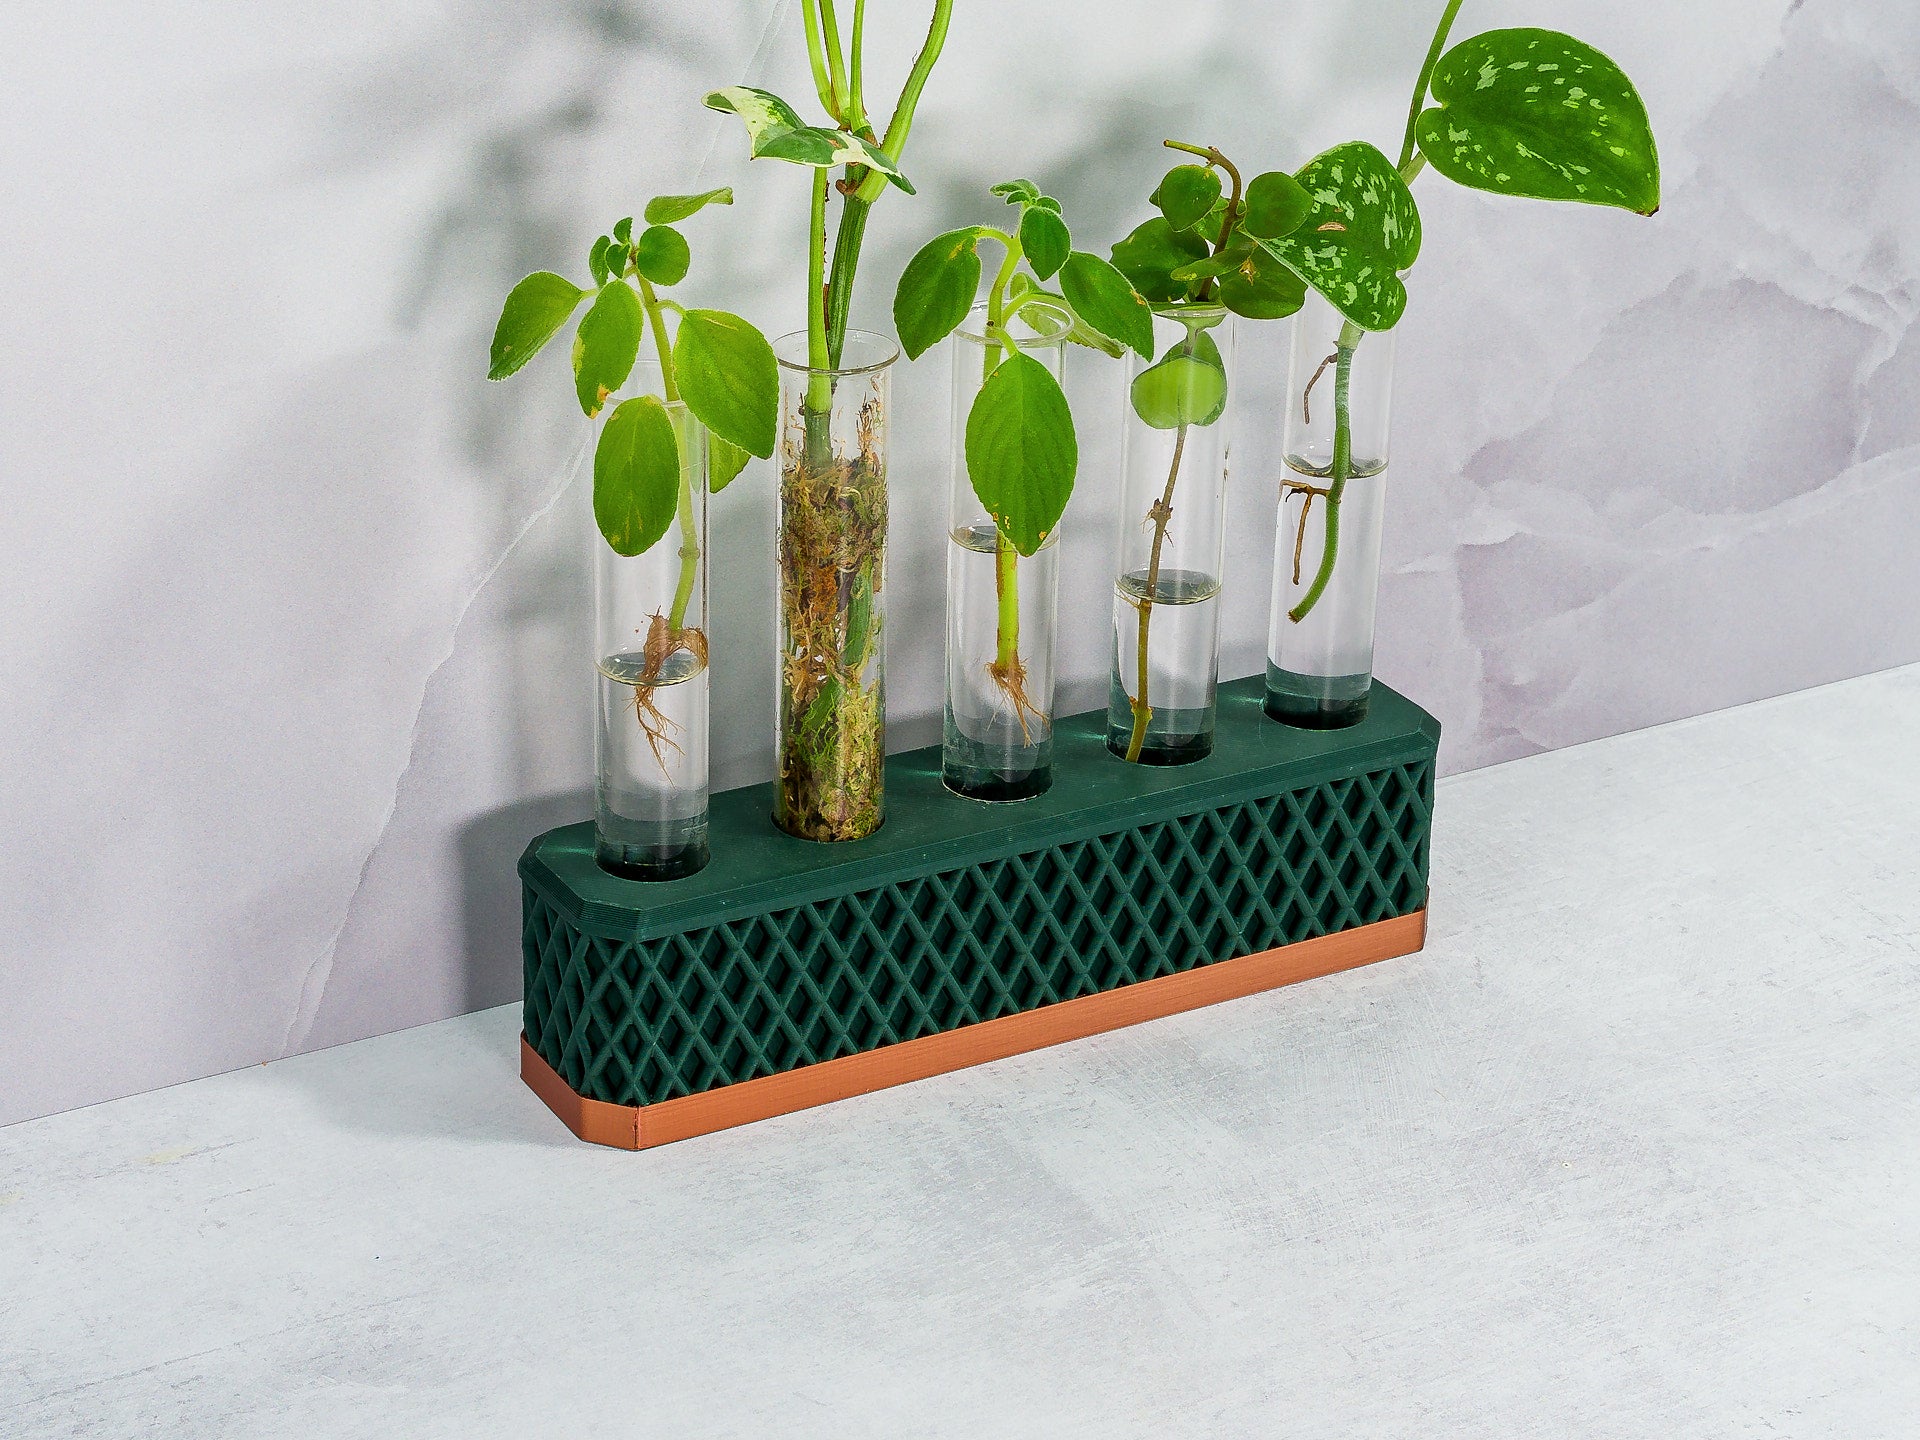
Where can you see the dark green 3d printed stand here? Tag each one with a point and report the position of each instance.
(788, 973)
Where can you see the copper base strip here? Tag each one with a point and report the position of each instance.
(640, 1127)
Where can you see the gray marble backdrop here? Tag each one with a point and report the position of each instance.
(295, 621)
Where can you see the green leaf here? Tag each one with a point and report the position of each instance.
(1539, 114)
(1101, 296)
(623, 231)
(936, 290)
(1262, 289)
(597, 260)
(1021, 450)
(606, 344)
(725, 460)
(1045, 239)
(1185, 194)
(636, 475)
(1363, 230)
(1016, 192)
(1149, 256)
(775, 131)
(728, 378)
(1188, 387)
(671, 209)
(1276, 204)
(536, 308)
(1046, 202)
(661, 255)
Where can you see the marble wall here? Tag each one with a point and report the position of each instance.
(294, 619)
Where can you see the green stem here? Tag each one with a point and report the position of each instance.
(836, 59)
(683, 505)
(689, 555)
(819, 390)
(856, 116)
(816, 56)
(895, 140)
(846, 260)
(651, 303)
(1006, 574)
(1341, 469)
(1161, 513)
(1426, 75)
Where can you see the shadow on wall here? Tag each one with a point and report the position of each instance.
(490, 848)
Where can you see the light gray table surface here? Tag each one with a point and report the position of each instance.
(1631, 1149)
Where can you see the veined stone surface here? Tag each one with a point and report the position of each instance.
(295, 625)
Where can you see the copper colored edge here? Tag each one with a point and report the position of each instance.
(640, 1127)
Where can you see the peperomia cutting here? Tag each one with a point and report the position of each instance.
(1021, 450)
(714, 365)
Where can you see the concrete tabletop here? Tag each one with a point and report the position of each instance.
(1631, 1149)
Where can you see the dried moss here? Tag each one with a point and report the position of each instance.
(833, 534)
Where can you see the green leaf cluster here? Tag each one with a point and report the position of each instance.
(717, 364)
(1022, 452)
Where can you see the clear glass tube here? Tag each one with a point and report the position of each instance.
(1002, 607)
(832, 538)
(650, 730)
(1166, 604)
(1326, 564)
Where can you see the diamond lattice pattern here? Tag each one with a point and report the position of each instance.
(637, 1023)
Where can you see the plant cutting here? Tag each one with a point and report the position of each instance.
(1527, 113)
(1016, 458)
(707, 400)
(1198, 262)
(832, 518)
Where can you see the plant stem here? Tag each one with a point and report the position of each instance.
(1006, 560)
(836, 59)
(1350, 336)
(1161, 514)
(689, 555)
(895, 139)
(683, 505)
(819, 391)
(846, 259)
(816, 56)
(650, 302)
(856, 116)
(1426, 75)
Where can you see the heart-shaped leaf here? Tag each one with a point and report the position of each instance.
(1187, 387)
(1016, 192)
(1185, 194)
(605, 345)
(1276, 204)
(1149, 256)
(1045, 239)
(1101, 296)
(775, 131)
(725, 460)
(728, 378)
(1021, 450)
(1539, 114)
(936, 290)
(661, 254)
(636, 475)
(536, 308)
(671, 209)
(1362, 231)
